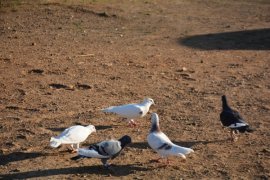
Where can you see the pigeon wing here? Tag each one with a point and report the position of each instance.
(230, 117)
(127, 111)
(74, 134)
(91, 153)
(110, 147)
(158, 139)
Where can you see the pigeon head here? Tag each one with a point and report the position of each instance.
(125, 140)
(155, 123)
(91, 127)
(224, 102)
(148, 101)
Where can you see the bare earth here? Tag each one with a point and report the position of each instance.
(63, 61)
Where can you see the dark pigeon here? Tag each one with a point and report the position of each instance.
(232, 119)
(104, 150)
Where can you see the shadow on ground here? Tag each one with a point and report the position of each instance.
(18, 156)
(257, 39)
(119, 170)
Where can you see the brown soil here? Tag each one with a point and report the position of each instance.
(62, 61)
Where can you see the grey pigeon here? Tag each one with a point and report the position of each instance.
(104, 150)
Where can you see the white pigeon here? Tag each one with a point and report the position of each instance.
(104, 150)
(73, 135)
(131, 111)
(160, 143)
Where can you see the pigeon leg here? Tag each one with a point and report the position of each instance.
(168, 162)
(233, 135)
(131, 123)
(105, 163)
(73, 150)
(77, 146)
(71, 147)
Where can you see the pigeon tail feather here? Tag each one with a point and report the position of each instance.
(181, 155)
(249, 129)
(108, 110)
(55, 142)
(182, 150)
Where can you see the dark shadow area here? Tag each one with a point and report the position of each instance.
(104, 127)
(114, 170)
(139, 145)
(257, 39)
(57, 129)
(18, 156)
(82, 9)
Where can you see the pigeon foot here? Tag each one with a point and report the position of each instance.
(131, 123)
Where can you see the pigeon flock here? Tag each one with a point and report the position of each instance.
(157, 140)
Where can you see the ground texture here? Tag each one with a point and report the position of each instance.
(63, 61)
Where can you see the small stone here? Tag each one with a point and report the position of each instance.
(184, 69)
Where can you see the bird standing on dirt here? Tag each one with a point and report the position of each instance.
(232, 119)
(104, 150)
(160, 143)
(131, 111)
(73, 135)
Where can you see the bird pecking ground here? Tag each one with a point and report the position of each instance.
(62, 61)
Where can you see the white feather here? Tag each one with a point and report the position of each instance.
(72, 135)
(237, 125)
(131, 111)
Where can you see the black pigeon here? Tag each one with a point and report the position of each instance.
(232, 119)
(104, 150)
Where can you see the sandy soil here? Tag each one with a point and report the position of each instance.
(62, 61)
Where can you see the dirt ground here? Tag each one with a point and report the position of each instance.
(63, 61)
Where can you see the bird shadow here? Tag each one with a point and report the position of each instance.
(56, 129)
(18, 156)
(104, 127)
(119, 170)
(189, 144)
(256, 39)
(139, 145)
